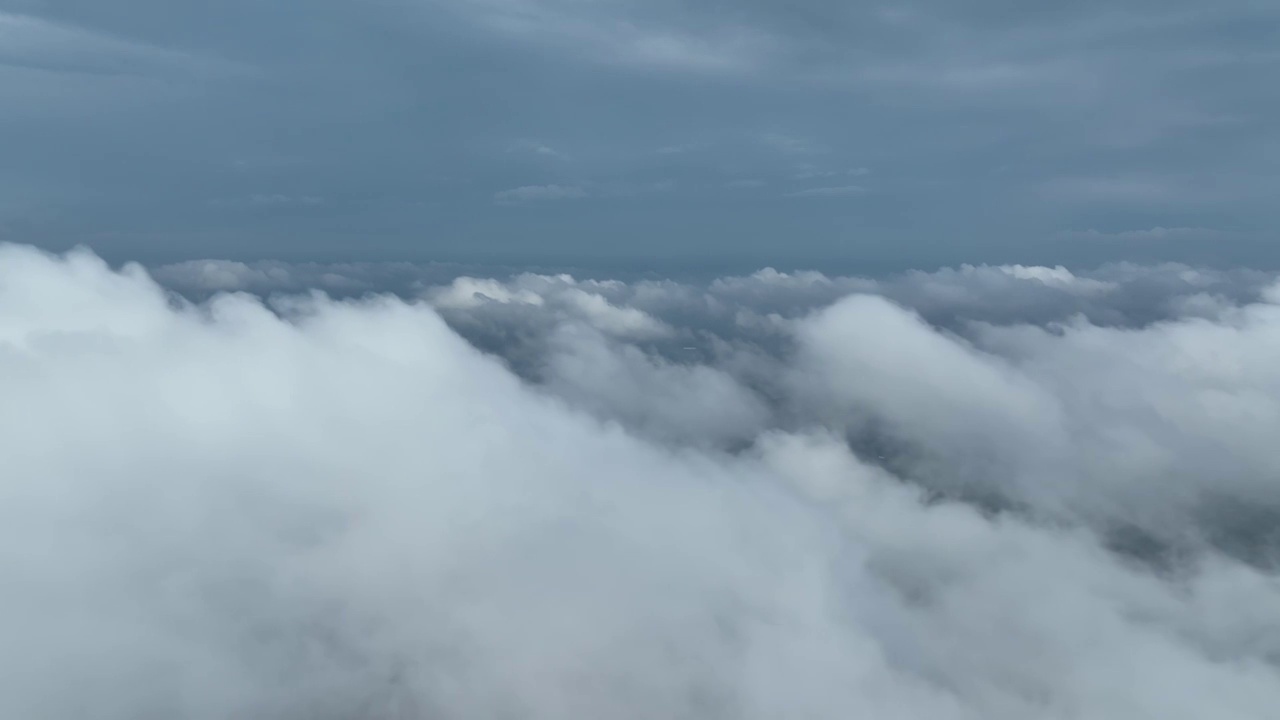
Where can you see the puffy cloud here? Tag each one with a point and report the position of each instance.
(1058, 276)
(587, 302)
(466, 292)
(979, 493)
(671, 401)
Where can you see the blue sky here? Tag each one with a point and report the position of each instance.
(863, 136)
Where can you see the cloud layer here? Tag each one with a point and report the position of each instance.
(988, 492)
(753, 132)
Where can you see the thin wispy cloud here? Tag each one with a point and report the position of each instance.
(539, 193)
(829, 192)
(809, 173)
(1154, 234)
(1142, 189)
(602, 35)
(537, 148)
(31, 43)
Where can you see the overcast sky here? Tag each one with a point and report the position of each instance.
(858, 135)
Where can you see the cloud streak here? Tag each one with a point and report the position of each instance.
(32, 43)
(827, 192)
(538, 193)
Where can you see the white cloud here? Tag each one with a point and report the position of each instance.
(565, 297)
(343, 508)
(672, 401)
(1057, 276)
(227, 275)
(468, 292)
(613, 319)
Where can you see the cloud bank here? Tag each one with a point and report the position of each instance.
(986, 492)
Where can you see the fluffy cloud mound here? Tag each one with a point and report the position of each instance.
(980, 493)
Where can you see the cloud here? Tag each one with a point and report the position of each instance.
(1056, 277)
(277, 199)
(308, 507)
(123, 125)
(618, 35)
(202, 278)
(787, 144)
(1130, 189)
(1157, 233)
(33, 43)
(538, 148)
(587, 302)
(966, 77)
(1121, 295)
(809, 173)
(539, 193)
(466, 293)
(833, 191)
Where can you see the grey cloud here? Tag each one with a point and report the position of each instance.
(752, 329)
(967, 400)
(1125, 294)
(1011, 125)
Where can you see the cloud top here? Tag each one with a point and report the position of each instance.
(543, 496)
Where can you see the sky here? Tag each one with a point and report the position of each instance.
(849, 137)
(634, 359)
